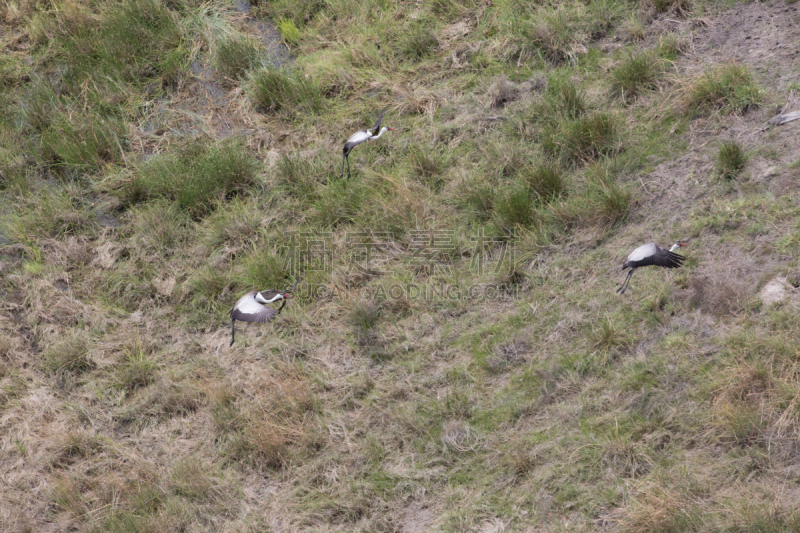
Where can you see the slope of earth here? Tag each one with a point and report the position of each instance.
(456, 358)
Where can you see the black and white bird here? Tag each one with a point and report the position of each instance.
(651, 254)
(359, 137)
(251, 307)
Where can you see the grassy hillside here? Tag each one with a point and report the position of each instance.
(456, 358)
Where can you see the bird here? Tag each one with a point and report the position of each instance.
(359, 137)
(651, 254)
(251, 308)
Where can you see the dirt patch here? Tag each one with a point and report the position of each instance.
(764, 36)
(418, 518)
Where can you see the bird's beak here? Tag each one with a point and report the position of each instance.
(389, 129)
(287, 296)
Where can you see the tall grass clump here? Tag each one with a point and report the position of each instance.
(299, 176)
(729, 88)
(83, 140)
(637, 73)
(515, 207)
(159, 225)
(585, 139)
(236, 55)
(264, 269)
(338, 202)
(730, 159)
(38, 104)
(429, 165)
(544, 180)
(286, 91)
(137, 370)
(300, 12)
(289, 32)
(562, 98)
(69, 356)
(54, 213)
(363, 319)
(604, 15)
(195, 174)
(478, 199)
(418, 43)
(611, 200)
(679, 6)
(560, 33)
(132, 40)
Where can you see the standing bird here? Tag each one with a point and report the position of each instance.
(359, 137)
(251, 308)
(651, 254)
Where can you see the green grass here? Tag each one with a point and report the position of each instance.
(286, 92)
(584, 139)
(636, 74)
(729, 88)
(545, 180)
(195, 176)
(515, 207)
(137, 370)
(134, 40)
(730, 160)
(478, 372)
(236, 55)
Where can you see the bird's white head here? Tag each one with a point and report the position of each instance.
(677, 245)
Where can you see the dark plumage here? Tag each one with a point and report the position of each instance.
(651, 254)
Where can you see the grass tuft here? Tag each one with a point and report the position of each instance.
(729, 88)
(516, 207)
(730, 160)
(545, 180)
(137, 370)
(637, 73)
(585, 139)
(289, 32)
(286, 91)
(68, 357)
(195, 175)
(418, 43)
(236, 55)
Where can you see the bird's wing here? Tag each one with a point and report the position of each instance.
(358, 138)
(643, 252)
(667, 259)
(250, 310)
(377, 127)
(241, 301)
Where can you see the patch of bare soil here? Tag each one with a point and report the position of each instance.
(765, 37)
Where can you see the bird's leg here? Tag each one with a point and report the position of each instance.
(233, 330)
(342, 174)
(348, 165)
(281, 307)
(625, 283)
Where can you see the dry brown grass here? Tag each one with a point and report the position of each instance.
(278, 424)
(658, 509)
(443, 414)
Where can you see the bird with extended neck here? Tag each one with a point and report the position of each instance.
(359, 137)
(251, 307)
(651, 254)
